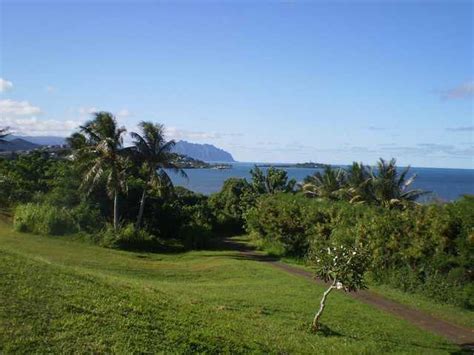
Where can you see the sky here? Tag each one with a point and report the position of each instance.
(331, 82)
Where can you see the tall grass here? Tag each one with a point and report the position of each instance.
(43, 219)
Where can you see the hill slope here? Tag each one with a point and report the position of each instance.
(59, 295)
(17, 144)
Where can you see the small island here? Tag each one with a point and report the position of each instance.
(185, 162)
(307, 165)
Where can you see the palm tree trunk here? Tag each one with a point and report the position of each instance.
(116, 211)
(315, 325)
(142, 208)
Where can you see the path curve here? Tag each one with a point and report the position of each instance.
(457, 334)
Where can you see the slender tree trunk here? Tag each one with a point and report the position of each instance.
(142, 208)
(315, 325)
(116, 217)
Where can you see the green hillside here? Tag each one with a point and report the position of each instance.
(60, 295)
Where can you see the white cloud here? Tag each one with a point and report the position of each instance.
(123, 113)
(463, 91)
(50, 89)
(34, 126)
(176, 133)
(88, 110)
(5, 85)
(18, 108)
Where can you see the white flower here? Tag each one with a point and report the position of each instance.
(353, 253)
(339, 285)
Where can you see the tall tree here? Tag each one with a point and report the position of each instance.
(358, 187)
(100, 148)
(326, 185)
(154, 152)
(390, 187)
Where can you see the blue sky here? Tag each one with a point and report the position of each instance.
(280, 82)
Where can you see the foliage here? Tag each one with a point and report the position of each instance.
(273, 181)
(237, 196)
(423, 249)
(383, 186)
(100, 156)
(390, 187)
(22, 178)
(229, 204)
(325, 185)
(43, 219)
(155, 155)
(341, 265)
(126, 237)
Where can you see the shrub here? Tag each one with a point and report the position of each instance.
(341, 266)
(229, 205)
(421, 248)
(126, 237)
(87, 218)
(43, 219)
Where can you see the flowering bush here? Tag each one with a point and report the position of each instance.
(343, 267)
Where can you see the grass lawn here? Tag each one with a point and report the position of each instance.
(450, 313)
(59, 295)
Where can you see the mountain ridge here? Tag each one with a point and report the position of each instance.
(205, 152)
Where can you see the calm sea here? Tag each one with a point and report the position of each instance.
(445, 184)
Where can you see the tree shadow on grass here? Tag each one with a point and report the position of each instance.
(326, 331)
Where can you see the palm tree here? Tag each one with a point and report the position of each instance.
(390, 187)
(358, 187)
(155, 154)
(100, 147)
(329, 184)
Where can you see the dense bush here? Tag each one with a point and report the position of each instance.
(126, 237)
(229, 204)
(43, 219)
(47, 219)
(424, 248)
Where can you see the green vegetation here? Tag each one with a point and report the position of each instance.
(424, 248)
(65, 296)
(149, 292)
(342, 267)
(383, 186)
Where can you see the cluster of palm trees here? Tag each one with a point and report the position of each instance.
(98, 149)
(383, 185)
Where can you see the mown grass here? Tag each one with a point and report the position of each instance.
(60, 295)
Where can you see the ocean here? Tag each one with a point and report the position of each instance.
(444, 184)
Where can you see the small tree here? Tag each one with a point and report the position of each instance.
(341, 266)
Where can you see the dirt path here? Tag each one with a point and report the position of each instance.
(455, 333)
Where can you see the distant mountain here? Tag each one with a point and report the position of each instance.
(41, 140)
(17, 144)
(205, 152)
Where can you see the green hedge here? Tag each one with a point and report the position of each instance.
(424, 248)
